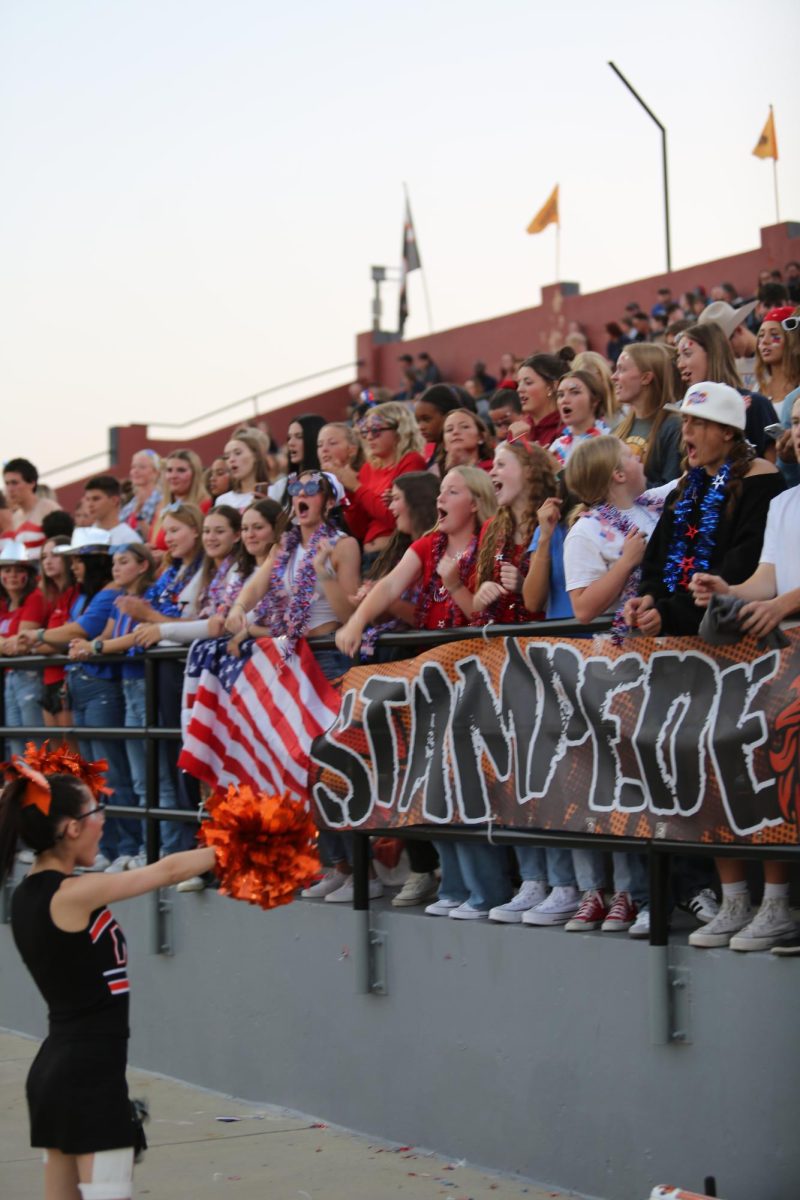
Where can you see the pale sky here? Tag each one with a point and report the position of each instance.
(194, 192)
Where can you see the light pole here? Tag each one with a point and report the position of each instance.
(653, 117)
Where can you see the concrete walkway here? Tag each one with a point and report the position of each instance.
(204, 1146)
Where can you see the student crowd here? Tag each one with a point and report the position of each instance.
(636, 484)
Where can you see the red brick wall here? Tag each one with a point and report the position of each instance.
(543, 328)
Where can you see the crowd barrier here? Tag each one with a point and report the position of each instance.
(658, 852)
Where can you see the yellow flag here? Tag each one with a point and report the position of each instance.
(547, 214)
(767, 145)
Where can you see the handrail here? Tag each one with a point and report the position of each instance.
(277, 387)
(213, 412)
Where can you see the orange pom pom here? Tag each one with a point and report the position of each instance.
(266, 845)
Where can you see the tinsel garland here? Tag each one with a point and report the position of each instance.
(438, 593)
(681, 565)
(283, 615)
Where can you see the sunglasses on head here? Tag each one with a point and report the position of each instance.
(790, 324)
(306, 487)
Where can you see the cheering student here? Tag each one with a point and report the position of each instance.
(145, 474)
(80, 1113)
(644, 380)
(28, 508)
(523, 477)
(773, 597)
(474, 877)
(582, 408)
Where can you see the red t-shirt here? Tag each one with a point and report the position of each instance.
(367, 517)
(547, 430)
(32, 609)
(508, 609)
(57, 614)
(436, 608)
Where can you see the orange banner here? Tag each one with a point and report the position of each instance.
(669, 738)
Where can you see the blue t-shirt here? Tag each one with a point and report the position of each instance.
(558, 606)
(123, 625)
(93, 618)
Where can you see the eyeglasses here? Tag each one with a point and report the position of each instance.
(790, 324)
(374, 430)
(100, 806)
(305, 487)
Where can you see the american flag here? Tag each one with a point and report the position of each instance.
(253, 720)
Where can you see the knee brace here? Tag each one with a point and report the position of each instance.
(112, 1176)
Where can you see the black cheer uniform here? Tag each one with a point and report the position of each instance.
(77, 1094)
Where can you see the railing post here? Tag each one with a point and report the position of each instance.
(361, 908)
(660, 999)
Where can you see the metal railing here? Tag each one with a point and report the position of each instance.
(658, 852)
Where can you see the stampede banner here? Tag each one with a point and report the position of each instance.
(668, 738)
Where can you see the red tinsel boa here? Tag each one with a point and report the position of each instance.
(266, 845)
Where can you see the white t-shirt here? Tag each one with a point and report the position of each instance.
(782, 540)
(593, 545)
(238, 500)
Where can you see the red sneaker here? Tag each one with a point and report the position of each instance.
(591, 914)
(621, 915)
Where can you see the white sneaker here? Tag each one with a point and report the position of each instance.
(419, 887)
(25, 857)
(330, 881)
(345, 893)
(119, 864)
(772, 924)
(465, 912)
(735, 912)
(195, 883)
(532, 892)
(555, 909)
(441, 907)
(641, 926)
(137, 860)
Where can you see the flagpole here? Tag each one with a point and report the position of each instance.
(775, 175)
(558, 251)
(421, 270)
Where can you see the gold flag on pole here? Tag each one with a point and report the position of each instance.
(547, 214)
(767, 144)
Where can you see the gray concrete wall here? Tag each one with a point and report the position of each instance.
(521, 1049)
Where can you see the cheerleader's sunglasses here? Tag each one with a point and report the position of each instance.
(99, 807)
(305, 487)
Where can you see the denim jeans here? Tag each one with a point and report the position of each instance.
(133, 691)
(590, 869)
(176, 788)
(334, 847)
(630, 873)
(474, 872)
(23, 696)
(549, 863)
(97, 702)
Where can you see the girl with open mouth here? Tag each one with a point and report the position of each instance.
(582, 409)
(474, 876)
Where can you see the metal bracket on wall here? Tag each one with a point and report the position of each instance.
(679, 979)
(377, 963)
(6, 892)
(161, 923)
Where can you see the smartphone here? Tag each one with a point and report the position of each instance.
(774, 431)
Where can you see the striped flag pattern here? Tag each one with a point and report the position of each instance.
(254, 722)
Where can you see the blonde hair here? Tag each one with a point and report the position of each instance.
(197, 492)
(192, 517)
(539, 482)
(353, 439)
(596, 364)
(402, 421)
(481, 489)
(590, 469)
(659, 360)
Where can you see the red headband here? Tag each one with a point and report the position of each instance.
(779, 314)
